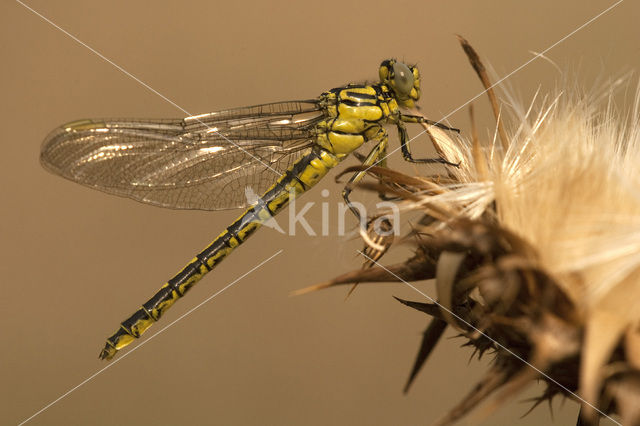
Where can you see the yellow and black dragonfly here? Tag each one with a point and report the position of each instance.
(279, 150)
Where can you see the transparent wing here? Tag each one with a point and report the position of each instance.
(209, 162)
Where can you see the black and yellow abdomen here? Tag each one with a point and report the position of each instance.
(301, 176)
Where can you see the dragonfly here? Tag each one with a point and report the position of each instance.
(206, 162)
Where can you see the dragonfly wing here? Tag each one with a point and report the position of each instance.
(208, 162)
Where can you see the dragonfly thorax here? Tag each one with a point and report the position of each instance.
(355, 114)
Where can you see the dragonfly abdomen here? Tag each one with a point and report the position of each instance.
(301, 176)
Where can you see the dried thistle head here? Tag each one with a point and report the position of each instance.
(534, 243)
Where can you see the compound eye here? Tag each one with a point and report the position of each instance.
(403, 78)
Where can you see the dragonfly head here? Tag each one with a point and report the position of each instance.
(404, 80)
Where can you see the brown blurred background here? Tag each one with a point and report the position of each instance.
(75, 262)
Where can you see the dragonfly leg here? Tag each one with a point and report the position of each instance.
(408, 118)
(377, 156)
(404, 146)
(378, 151)
(382, 162)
